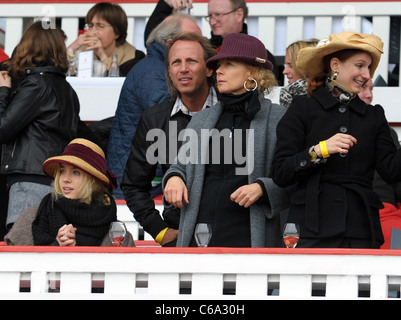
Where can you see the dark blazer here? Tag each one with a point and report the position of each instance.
(139, 173)
(335, 199)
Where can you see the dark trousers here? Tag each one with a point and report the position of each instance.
(337, 243)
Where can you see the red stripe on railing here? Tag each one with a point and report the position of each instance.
(215, 250)
(158, 201)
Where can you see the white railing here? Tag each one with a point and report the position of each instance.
(277, 23)
(99, 98)
(198, 273)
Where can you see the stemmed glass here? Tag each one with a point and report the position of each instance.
(203, 234)
(73, 62)
(291, 235)
(117, 233)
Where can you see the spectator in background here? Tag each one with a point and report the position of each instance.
(366, 94)
(107, 31)
(224, 17)
(186, 57)
(144, 87)
(389, 193)
(297, 80)
(3, 55)
(239, 200)
(39, 118)
(106, 34)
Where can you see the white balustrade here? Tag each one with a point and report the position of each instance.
(151, 272)
(198, 273)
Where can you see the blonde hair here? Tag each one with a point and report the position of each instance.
(264, 77)
(91, 189)
(293, 50)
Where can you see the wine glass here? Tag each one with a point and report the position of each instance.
(73, 62)
(117, 233)
(203, 234)
(291, 235)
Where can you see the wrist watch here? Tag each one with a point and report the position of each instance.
(313, 157)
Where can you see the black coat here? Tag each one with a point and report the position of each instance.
(37, 120)
(335, 199)
(139, 173)
(91, 220)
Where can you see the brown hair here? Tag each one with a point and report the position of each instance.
(38, 45)
(318, 80)
(113, 14)
(208, 52)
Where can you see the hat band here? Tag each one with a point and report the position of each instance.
(88, 155)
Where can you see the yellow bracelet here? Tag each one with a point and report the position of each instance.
(160, 236)
(323, 149)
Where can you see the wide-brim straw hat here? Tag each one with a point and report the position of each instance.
(310, 59)
(85, 155)
(241, 47)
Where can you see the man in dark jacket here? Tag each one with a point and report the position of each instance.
(144, 86)
(191, 86)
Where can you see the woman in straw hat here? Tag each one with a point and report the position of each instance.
(238, 199)
(330, 142)
(80, 208)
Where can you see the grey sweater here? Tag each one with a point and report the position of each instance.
(264, 217)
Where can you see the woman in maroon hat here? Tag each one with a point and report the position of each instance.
(80, 208)
(230, 188)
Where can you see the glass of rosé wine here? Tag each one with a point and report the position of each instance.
(117, 233)
(291, 235)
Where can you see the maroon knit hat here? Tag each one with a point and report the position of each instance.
(242, 47)
(86, 156)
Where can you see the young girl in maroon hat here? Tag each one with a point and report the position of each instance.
(80, 208)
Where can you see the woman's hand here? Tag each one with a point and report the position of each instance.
(66, 235)
(176, 191)
(91, 42)
(247, 195)
(5, 80)
(339, 143)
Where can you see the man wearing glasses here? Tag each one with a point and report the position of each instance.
(224, 17)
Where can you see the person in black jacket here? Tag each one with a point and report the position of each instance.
(191, 86)
(330, 142)
(38, 116)
(80, 208)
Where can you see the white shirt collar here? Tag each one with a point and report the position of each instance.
(211, 100)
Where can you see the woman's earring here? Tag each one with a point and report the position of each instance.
(252, 89)
(335, 75)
